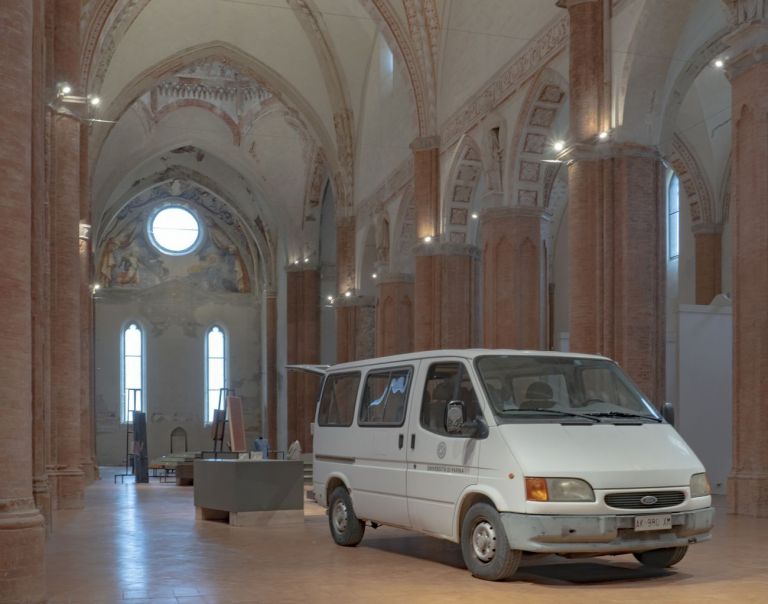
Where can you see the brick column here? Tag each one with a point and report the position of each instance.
(426, 183)
(445, 295)
(66, 475)
(303, 297)
(616, 222)
(22, 539)
(514, 277)
(394, 314)
(748, 73)
(708, 242)
(87, 420)
(41, 383)
(270, 299)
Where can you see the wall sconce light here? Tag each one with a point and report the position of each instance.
(427, 239)
(558, 146)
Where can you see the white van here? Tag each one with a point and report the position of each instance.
(506, 452)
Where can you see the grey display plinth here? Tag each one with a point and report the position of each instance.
(249, 493)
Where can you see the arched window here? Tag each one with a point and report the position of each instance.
(215, 369)
(132, 373)
(673, 217)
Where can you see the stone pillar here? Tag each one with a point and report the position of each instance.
(514, 277)
(445, 295)
(66, 475)
(345, 284)
(270, 299)
(355, 317)
(41, 384)
(303, 295)
(616, 220)
(426, 184)
(22, 536)
(748, 72)
(394, 314)
(708, 243)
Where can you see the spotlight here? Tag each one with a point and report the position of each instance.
(330, 298)
(65, 88)
(295, 261)
(559, 145)
(374, 276)
(427, 239)
(306, 260)
(95, 101)
(603, 135)
(719, 63)
(348, 294)
(475, 216)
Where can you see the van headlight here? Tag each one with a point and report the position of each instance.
(700, 485)
(558, 489)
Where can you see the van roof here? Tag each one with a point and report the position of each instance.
(465, 353)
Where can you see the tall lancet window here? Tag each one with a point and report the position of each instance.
(133, 391)
(673, 217)
(215, 369)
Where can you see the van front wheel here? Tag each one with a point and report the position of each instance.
(484, 545)
(662, 558)
(346, 529)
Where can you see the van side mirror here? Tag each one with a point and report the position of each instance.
(668, 412)
(455, 416)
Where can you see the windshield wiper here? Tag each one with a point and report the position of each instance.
(557, 412)
(623, 414)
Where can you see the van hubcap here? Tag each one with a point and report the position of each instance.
(484, 541)
(340, 516)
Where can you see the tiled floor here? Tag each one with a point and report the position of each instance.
(138, 544)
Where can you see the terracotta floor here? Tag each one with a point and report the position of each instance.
(142, 544)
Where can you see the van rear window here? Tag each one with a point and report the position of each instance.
(337, 403)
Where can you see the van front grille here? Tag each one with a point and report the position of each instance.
(634, 501)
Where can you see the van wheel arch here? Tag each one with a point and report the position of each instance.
(332, 483)
(469, 500)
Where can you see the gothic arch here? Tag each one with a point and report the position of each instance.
(233, 126)
(533, 138)
(459, 193)
(693, 181)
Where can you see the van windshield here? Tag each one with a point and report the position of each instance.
(523, 387)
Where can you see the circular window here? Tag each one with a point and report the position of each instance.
(174, 230)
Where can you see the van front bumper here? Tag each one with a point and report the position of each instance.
(602, 534)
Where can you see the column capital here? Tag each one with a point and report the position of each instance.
(446, 248)
(566, 4)
(747, 46)
(706, 228)
(343, 301)
(607, 150)
(301, 267)
(387, 277)
(424, 143)
(516, 211)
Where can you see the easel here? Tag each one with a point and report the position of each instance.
(220, 421)
(132, 395)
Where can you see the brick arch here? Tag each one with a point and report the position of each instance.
(533, 138)
(233, 126)
(693, 182)
(460, 192)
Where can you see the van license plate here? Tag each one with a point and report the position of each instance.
(653, 523)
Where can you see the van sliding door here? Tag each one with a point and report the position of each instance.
(440, 465)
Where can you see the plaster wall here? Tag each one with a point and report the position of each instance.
(174, 318)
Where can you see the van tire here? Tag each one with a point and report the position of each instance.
(662, 558)
(484, 544)
(346, 529)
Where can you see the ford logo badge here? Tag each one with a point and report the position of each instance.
(649, 500)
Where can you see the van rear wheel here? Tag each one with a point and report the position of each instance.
(662, 558)
(346, 529)
(484, 544)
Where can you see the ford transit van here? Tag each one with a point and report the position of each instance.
(506, 452)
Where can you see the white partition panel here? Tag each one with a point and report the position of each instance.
(704, 403)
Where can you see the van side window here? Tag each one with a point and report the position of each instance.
(384, 398)
(337, 403)
(447, 382)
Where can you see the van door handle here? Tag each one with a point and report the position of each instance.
(400, 441)
(413, 441)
